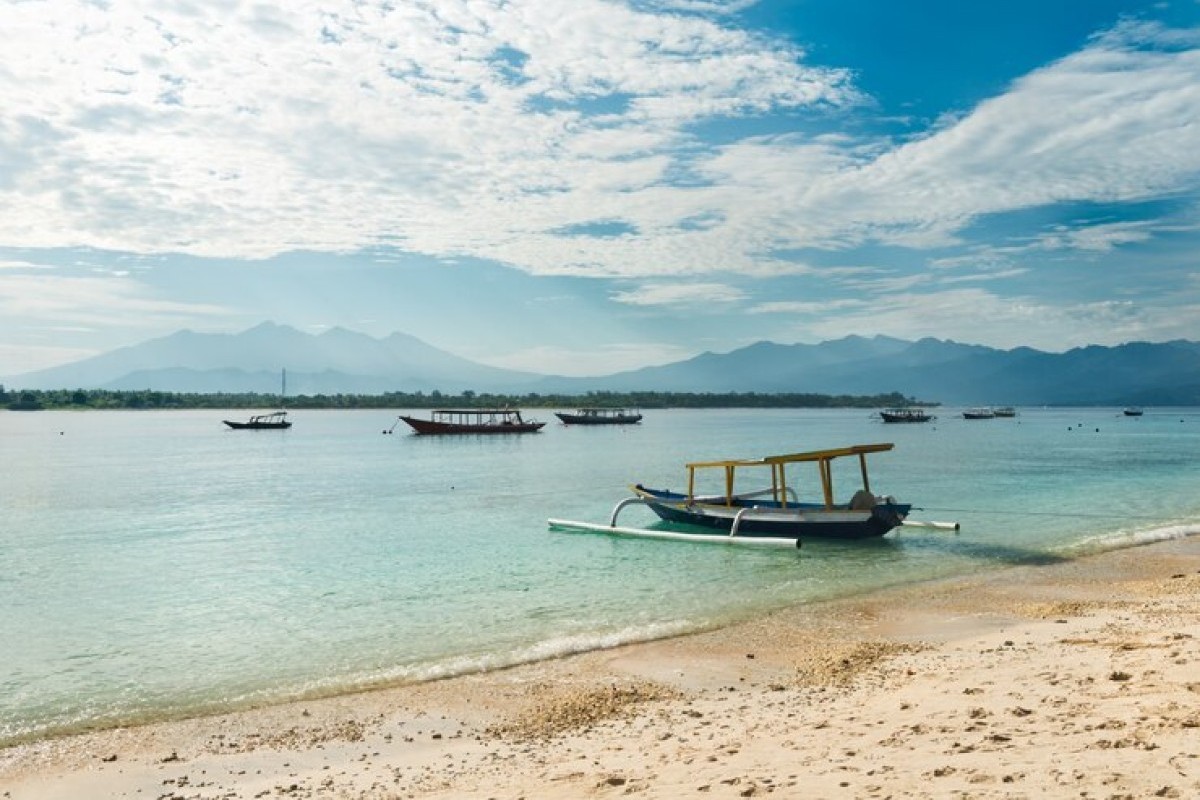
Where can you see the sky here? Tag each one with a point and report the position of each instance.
(581, 187)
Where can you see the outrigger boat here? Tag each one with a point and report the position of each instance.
(600, 416)
(473, 420)
(768, 516)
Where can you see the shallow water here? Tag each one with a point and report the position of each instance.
(154, 564)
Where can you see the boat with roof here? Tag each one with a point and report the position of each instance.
(979, 412)
(599, 416)
(772, 513)
(274, 421)
(473, 420)
(906, 414)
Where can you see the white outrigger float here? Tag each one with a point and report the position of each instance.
(770, 517)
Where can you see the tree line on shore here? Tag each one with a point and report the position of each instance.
(38, 399)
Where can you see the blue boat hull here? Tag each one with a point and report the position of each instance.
(796, 521)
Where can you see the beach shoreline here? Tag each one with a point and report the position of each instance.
(1077, 678)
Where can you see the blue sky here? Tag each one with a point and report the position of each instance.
(580, 187)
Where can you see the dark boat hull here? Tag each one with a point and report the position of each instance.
(580, 419)
(796, 522)
(258, 426)
(902, 418)
(427, 427)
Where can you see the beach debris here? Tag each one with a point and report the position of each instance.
(350, 730)
(840, 665)
(560, 712)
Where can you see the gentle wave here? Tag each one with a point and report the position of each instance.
(91, 717)
(1126, 538)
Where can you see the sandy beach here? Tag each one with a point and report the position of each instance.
(1074, 679)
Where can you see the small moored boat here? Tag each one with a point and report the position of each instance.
(905, 414)
(473, 420)
(276, 420)
(1133, 412)
(599, 416)
(979, 413)
(766, 515)
(1004, 411)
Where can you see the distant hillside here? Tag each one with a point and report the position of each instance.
(952, 373)
(335, 361)
(341, 361)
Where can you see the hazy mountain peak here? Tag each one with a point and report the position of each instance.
(343, 361)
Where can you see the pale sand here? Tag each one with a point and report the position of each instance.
(1079, 679)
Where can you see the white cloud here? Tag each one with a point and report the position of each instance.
(23, 265)
(976, 315)
(674, 294)
(471, 128)
(805, 308)
(91, 301)
(1097, 238)
(461, 128)
(1118, 121)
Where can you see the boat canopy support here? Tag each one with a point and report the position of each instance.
(780, 490)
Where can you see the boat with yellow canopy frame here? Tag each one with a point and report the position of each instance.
(769, 514)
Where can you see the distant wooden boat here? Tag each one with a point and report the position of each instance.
(905, 415)
(599, 416)
(1005, 411)
(1133, 412)
(276, 420)
(473, 420)
(979, 413)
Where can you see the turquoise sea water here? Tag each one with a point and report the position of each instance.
(154, 564)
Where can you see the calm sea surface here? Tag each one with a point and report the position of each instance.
(155, 564)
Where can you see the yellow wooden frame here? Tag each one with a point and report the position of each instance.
(777, 464)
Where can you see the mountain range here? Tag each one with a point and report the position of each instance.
(933, 370)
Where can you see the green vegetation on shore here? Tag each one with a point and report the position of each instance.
(33, 400)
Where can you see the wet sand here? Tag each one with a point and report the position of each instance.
(1075, 679)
